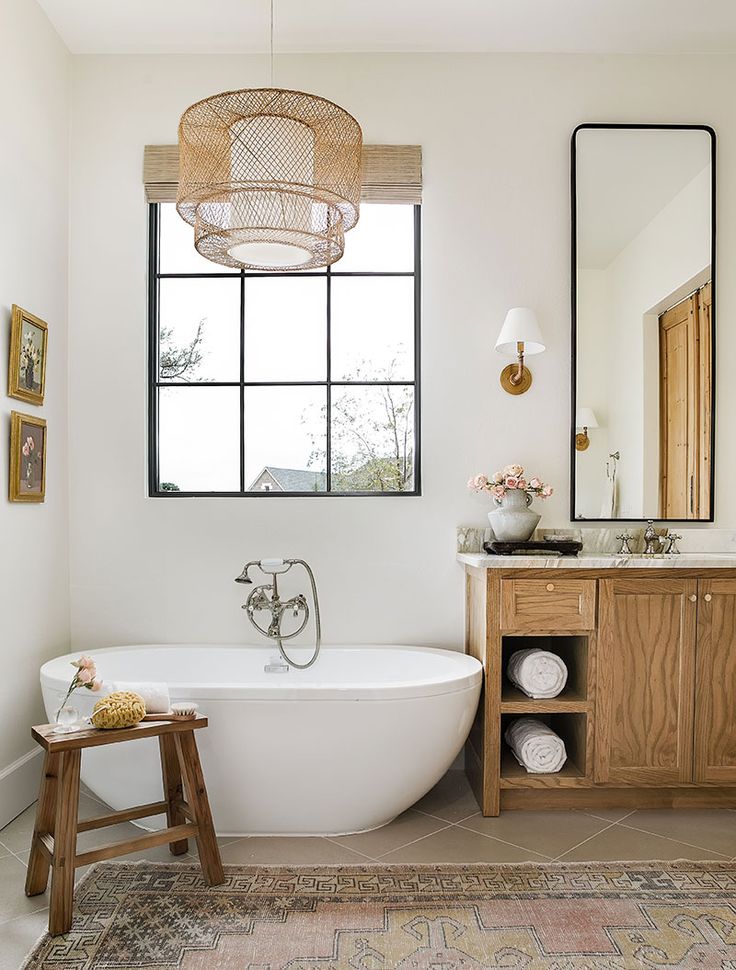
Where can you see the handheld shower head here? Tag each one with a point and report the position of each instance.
(244, 577)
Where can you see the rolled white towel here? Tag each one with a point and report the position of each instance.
(538, 673)
(155, 696)
(535, 746)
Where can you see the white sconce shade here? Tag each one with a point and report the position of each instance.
(520, 335)
(585, 418)
(520, 326)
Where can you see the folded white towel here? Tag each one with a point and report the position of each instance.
(538, 673)
(535, 746)
(155, 696)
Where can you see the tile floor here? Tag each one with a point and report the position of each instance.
(445, 826)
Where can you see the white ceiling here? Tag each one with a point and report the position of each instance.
(625, 177)
(182, 26)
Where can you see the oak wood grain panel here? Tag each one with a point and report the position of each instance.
(630, 572)
(644, 690)
(678, 368)
(715, 683)
(476, 582)
(705, 397)
(581, 798)
(514, 776)
(515, 701)
(492, 699)
(551, 604)
(475, 614)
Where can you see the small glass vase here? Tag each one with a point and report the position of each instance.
(67, 720)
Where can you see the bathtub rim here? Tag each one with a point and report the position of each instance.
(468, 676)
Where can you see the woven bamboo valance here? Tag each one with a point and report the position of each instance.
(391, 173)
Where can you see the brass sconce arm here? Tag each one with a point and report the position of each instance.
(516, 378)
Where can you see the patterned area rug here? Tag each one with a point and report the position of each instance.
(591, 916)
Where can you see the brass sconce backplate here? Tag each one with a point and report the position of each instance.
(582, 442)
(522, 385)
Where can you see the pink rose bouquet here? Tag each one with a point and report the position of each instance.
(512, 477)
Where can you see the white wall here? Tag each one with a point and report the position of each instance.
(34, 574)
(594, 388)
(495, 132)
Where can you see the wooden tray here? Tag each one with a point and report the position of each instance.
(564, 547)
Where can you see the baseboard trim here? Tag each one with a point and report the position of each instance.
(555, 799)
(19, 785)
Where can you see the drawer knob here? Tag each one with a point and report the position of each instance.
(707, 597)
(550, 587)
(693, 597)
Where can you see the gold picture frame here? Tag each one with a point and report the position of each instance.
(27, 458)
(28, 351)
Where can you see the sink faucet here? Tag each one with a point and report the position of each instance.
(652, 544)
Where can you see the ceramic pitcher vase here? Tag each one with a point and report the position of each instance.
(512, 520)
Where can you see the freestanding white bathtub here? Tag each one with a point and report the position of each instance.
(342, 747)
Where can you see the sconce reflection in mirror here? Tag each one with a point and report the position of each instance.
(584, 418)
(520, 336)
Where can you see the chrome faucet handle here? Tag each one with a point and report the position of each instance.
(672, 549)
(624, 538)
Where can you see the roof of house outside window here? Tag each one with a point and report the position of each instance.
(289, 480)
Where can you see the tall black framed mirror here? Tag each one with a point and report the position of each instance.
(643, 322)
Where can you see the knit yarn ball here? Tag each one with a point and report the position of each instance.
(121, 709)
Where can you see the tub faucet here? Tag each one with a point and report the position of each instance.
(265, 598)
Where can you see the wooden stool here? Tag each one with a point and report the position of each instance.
(54, 842)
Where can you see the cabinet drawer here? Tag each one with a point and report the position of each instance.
(540, 604)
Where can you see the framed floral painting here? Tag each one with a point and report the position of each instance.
(27, 369)
(27, 458)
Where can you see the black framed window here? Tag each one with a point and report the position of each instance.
(286, 383)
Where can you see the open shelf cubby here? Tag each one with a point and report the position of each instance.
(573, 729)
(574, 650)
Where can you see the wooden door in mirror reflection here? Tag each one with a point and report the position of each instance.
(685, 407)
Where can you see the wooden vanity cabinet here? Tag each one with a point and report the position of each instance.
(649, 712)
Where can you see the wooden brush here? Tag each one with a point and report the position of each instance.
(182, 711)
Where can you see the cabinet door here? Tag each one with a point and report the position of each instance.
(645, 682)
(715, 692)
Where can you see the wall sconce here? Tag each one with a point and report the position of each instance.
(584, 418)
(520, 336)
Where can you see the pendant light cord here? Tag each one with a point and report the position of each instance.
(271, 46)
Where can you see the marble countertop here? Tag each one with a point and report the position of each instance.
(686, 560)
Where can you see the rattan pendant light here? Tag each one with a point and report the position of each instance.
(269, 178)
